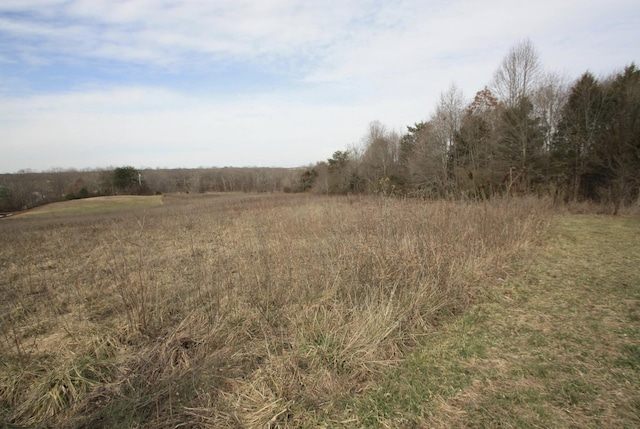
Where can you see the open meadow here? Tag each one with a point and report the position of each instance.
(246, 310)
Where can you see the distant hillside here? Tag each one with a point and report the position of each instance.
(94, 205)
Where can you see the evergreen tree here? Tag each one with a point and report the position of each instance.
(125, 178)
(579, 131)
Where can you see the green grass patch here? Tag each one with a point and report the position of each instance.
(554, 345)
(630, 356)
(95, 205)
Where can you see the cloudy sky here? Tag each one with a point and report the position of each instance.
(189, 83)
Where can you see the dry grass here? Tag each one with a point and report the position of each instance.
(235, 310)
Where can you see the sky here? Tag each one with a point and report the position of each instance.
(271, 83)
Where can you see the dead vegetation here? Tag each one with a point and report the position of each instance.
(236, 310)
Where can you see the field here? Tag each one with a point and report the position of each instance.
(95, 205)
(308, 311)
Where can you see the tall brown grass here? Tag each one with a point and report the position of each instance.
(235, 310)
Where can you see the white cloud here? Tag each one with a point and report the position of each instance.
(163, 32)
(151, 127)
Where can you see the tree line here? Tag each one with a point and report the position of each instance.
(27, 189)
(527, 132)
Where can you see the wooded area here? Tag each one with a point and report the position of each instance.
(527, 132)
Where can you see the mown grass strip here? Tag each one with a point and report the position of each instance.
(553, 346)
(94, 205)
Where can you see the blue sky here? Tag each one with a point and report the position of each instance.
(151, 83)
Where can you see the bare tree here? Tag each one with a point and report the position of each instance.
(518, 75)
(548, 101)
(380, 154)
(446, 122)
